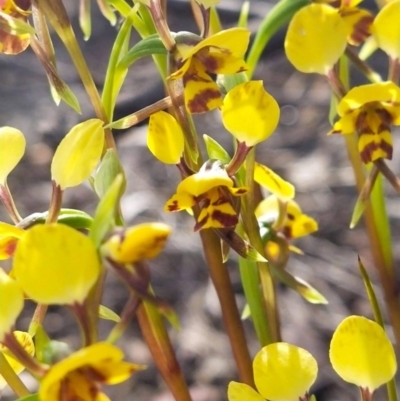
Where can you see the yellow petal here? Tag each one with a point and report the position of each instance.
(284, 372)
(303, 225)
(9, 236)
(232, 41)
(217, 212)
(165, 138)
(375, 145)
(268, 209)
(178, 202)
(78, 154)
(242, 392)
(221, 63)
(384, 92)
(201, 92)
(386, 29)
(144, 241)
(362, 354)
(359, 24)
(201, 182)
(316, 38)
(347, 124)
(12, 296)
(27, 343)
(273, 182)
(12, 148)
(55, 264)
(250, 113)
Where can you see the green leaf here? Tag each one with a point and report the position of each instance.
(146, 47)
(109, 168)
(215, 150)
(107, 314)
(30, 397)
(244, 14)
(278, 16)
(107, 210)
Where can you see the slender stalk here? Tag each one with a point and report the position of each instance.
(157, 339)
(12, 378)
(55, 203)
(37, 318)
(8, 202)
(230, 314)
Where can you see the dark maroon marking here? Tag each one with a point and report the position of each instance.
(199, 103)
(226, 220)
(287, 232)
(174, 207)
(290, 216)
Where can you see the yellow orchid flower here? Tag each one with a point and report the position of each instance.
(221, 53)
(361, 353)
(282, 372)
(9, 236)
(211, 188)
(294, 224)
(144, 241)
(250, 113)
(370, 110)
(13, 15)
(11, 295)
(79, 376)
(27, 344)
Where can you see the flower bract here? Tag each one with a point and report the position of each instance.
(212, 188)
(361, 353)
(221, 53)
(55, 264)
(316, 38)
(370, 110)
(250, 113)
(79, 376)
(144, 241)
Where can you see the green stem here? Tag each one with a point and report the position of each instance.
(230, 314)
(56, 13)
(12, 378)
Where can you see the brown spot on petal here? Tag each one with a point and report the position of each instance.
(173, 207)
(290, 216)
(226, 220)
(199, 104)
(287, 232)
(368, 151)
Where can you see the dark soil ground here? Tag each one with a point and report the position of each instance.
(299, 150)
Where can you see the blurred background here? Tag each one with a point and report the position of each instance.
(299, 150)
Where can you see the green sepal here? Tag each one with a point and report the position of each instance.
(299, 285)
(215, 150)
(146, 47)
(107, 314)
(277, 17)
(358, 211)
(109, 168)
(42, 340)
(30, 397)
(246, 313)
(107, 210)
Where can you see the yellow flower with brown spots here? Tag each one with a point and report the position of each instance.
(79, 377)
(370, 110)
(221, 53)
(211, 188)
